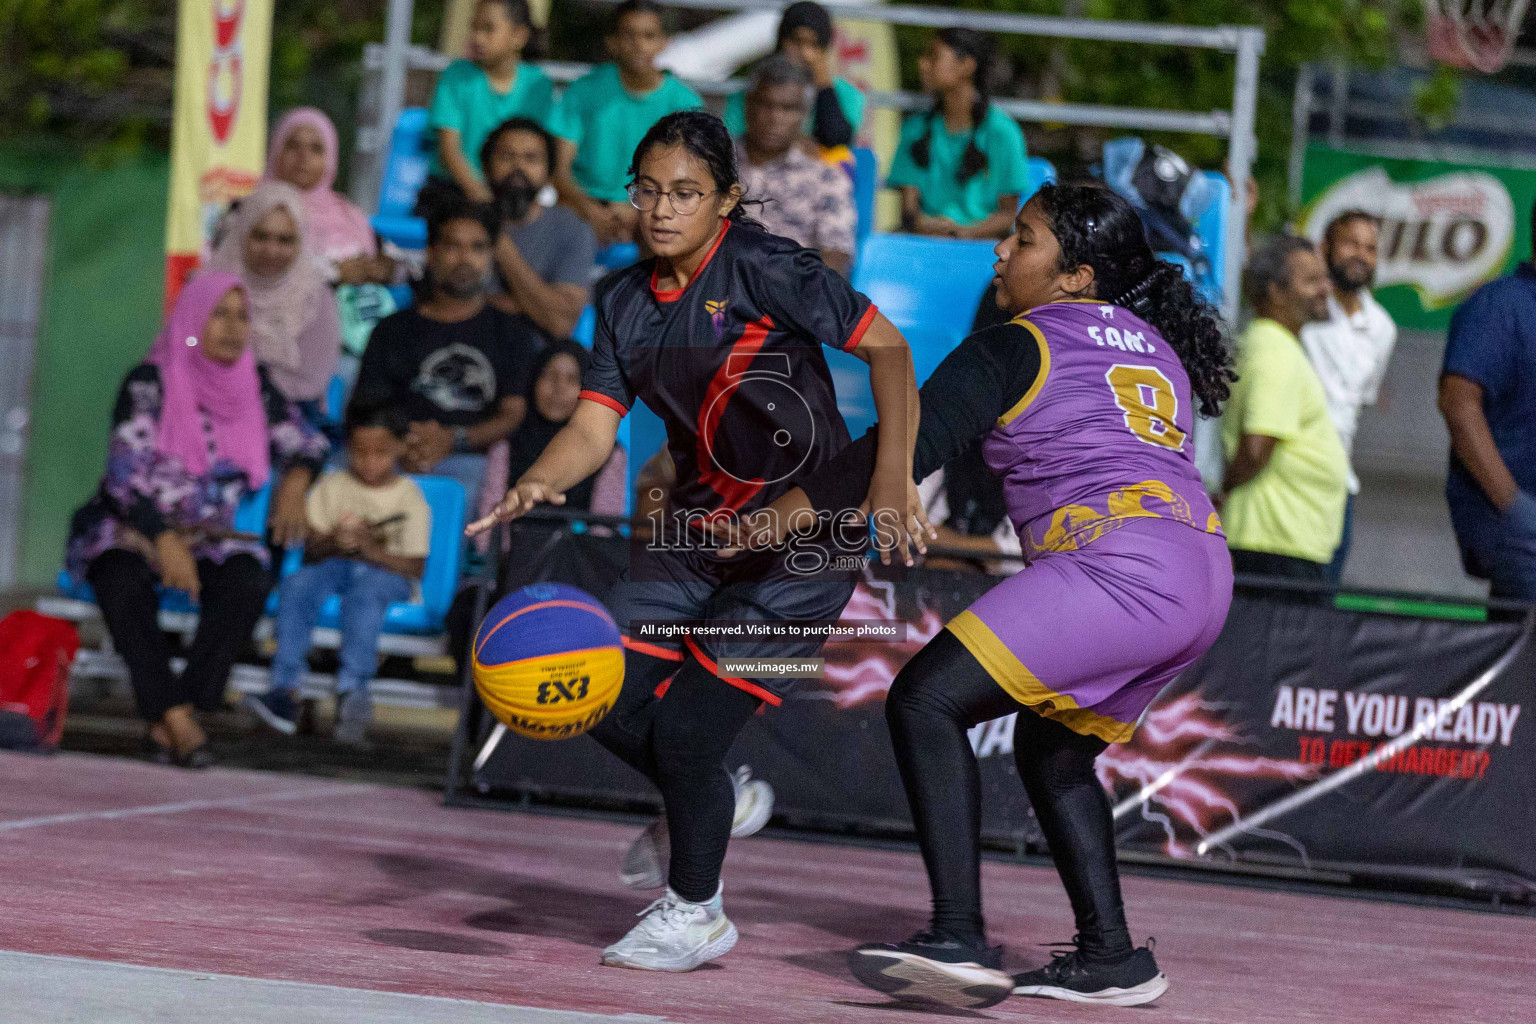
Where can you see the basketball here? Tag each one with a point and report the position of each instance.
(548, 661)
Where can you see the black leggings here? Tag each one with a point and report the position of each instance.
(679, 742)
(234, 594)
(941, 693)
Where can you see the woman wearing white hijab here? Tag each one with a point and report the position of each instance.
(295, 331)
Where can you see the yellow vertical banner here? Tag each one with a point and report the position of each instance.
(219, 123)
(866, 56)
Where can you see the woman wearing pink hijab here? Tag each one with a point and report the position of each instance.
(303, 153)
(197, 427)
(295, 331)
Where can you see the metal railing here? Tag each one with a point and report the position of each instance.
(392, 61)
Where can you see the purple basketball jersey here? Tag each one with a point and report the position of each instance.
(1105, 435)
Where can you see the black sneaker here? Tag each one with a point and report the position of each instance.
(1128, 982)
(277, 709)
(931, 969)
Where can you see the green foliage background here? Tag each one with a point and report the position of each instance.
(98, 72)
(1360, 32)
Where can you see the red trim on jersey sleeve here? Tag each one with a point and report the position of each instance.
(673, 294)
(747, 685)
(859, 328)
(654, 650)
(665, 685)
(602, 399)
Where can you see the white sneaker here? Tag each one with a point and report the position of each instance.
(754, 804)
(674, 935)
(645, 862)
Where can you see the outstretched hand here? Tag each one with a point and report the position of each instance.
(904, 526)
(900, 525)
(519, 501)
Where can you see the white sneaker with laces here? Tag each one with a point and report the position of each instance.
(645, 862)
(674, 935)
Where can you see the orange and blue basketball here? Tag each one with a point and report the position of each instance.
(548, 661)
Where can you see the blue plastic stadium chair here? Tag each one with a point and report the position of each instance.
(336, 400)
(1212, 229)
(927, 286)
(250, 516)
(405, 169)
(1040, 171)
(866, 182)
(439, 581)
(618, 256)
(930, 289)
(586, 326)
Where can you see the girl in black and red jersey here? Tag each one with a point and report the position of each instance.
(720, 335)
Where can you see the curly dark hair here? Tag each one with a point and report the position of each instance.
(702, 134)
(1097, 227)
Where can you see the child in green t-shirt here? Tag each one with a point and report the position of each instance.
(961, 166)
(474, 96)
(603, 116)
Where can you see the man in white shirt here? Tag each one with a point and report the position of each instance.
(1351, 348)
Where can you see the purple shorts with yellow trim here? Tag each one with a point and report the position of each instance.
(1089, 637)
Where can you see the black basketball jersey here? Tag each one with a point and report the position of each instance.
(732, 364)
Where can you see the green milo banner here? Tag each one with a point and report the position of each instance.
(1446, 227)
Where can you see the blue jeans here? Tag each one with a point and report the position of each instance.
(1335, 572)
(1497, 546)
(366, 591)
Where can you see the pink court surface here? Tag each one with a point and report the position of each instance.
(134, 894)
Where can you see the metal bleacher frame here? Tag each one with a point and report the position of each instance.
(386, 66)
(105, 666)
(385, 69)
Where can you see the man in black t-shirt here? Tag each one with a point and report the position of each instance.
(458, 367)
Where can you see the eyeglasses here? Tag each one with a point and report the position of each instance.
(685, 201)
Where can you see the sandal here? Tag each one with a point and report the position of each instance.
(156, 752)
(198, 758)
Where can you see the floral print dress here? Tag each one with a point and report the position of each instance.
(146, 491)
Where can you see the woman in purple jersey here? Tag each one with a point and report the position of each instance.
(1085, 405)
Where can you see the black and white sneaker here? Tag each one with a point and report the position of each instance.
(1128, 982)
(933, 969)
(276, 709)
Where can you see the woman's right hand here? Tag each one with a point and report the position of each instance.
(519, 500)
(178, 569)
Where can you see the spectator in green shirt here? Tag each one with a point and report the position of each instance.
(603, 116)
(960, 166)
(837, 112)
(474, 96)
(1287, 475)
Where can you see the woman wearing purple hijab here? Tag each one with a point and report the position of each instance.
(197, 427)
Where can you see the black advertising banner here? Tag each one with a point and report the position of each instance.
(1312, 735)
(1307, 737)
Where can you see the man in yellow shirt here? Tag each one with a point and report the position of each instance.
(1287, 476)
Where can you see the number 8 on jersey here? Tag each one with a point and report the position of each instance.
(1151, 406)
